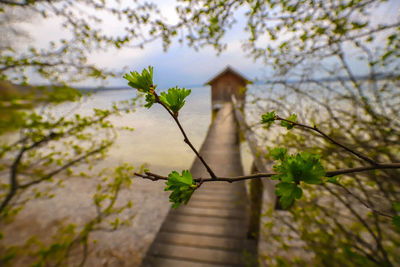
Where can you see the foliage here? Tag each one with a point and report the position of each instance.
(293, 169)
(396, 218)
(49, 149)
(44, 141)
(71, 238)
(268, 118)
(396, 222)
(336, 65)
(15, 102)
(288, 123)
(142, 82)
(317, 50)
(174, 99)
(295, 174)
(287, 193)
(349, 221)
(278, 153)
(84, 25)
(182, 187)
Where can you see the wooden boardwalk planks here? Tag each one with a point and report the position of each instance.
(211, 229)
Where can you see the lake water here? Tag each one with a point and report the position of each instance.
(156, 140)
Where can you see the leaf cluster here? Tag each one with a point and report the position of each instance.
(182, 187)
(143, 83)
(70, 236)
(293, 169)
(174, 99)
(268, 118)
(288, 192)
(287, 124)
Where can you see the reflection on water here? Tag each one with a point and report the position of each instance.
(156, 140)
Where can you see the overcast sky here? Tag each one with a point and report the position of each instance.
(184, 66)
(180, 65)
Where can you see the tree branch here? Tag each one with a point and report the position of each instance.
(359, 155)
(186, 139)
(66, 166)
(378, 166)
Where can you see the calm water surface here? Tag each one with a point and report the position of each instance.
(156, 140)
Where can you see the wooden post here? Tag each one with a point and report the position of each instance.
(260, 162)
(256, 197)
(257, 194)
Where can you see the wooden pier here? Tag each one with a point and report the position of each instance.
(212, 229)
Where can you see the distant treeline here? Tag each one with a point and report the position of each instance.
(7, 88)
(374, 77)
(99, 89)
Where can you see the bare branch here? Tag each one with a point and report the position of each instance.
(186, 139)
(361, 156)
(379, 166)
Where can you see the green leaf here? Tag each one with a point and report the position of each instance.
(278, 153)
(182, 187)
(284, 189)
(174, 99)
(214, 20)
(396, 206)
(304, 167)
(391, 38)
(298, 193)
(359, 25)
(311, 168)
(333, 180)
(268, 118)
(150, 100)
(304, 37)
(287, 192)
(142, 82)
(289, 125)
(396, 223)
(320, 30)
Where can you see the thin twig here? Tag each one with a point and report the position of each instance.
(155, 177)
(64, 167)
(186, 139)
(361, 156)
(365, 203)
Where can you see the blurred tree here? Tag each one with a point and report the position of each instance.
(82, 24)
(42, 145)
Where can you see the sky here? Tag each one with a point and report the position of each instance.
(184, 66)
(180, 65)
